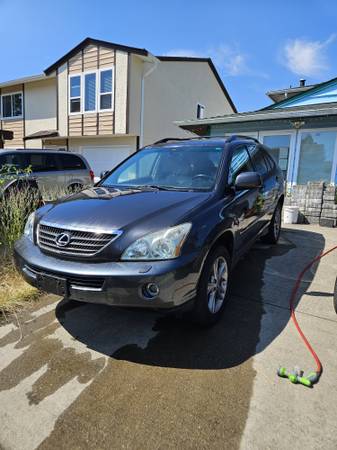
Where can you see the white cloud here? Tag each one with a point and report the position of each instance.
(231, 61)
(305, 57)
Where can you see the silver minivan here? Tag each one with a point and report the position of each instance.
(51, 170)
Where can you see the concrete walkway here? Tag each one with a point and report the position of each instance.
(77, 376)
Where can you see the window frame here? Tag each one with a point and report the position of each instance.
(11, 94)
(249, 160)
(75, 97)
(98, 93)
(91, 72)
(112, 93)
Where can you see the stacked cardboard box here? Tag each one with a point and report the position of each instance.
(329, 207)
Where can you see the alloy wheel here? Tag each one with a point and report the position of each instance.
(217, 284)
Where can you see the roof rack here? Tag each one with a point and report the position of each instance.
(231, 138)
(241, 136)
(162, 141)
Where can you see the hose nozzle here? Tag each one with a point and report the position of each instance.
(296, 377)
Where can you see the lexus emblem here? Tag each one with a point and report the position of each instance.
(63, 239)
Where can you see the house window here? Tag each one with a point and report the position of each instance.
(105, 91)
(75, 94)
(90, 92)
(316, 156)
(200, 111)
(12, 105)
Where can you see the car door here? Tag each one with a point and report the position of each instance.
(73, 170)
(46, 172)
(267, 191)
(243, 208)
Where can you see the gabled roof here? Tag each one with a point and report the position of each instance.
(90, 41)
(315, 88)
(212, 67)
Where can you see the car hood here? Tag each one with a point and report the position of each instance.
(100, 209)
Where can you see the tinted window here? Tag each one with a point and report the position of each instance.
(240, 163)
(259, 162)
(269, 160)
(15, 160)
(180, 166)
(71, 162)
(42, 162)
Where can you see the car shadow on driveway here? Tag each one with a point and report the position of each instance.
(265, 275)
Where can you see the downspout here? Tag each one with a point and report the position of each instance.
(154, 64)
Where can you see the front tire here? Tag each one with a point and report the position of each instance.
(212, 292)
(335, 297)
(274, 228)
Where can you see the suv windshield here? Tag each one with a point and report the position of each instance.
(181, 167)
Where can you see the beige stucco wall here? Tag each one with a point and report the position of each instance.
(40, 109)
(121, 82)
(172, 92)
(62, 94)
(135, 80)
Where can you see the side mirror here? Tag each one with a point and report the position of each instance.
(248, 180)
(104, 172)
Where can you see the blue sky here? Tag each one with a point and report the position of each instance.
(257, 45)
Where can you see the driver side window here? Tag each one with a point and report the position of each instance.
(240, 163)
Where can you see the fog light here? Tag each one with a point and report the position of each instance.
(150, 290)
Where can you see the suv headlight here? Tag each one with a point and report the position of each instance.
(164, 244)
(29, 227)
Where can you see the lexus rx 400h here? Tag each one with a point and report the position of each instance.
(162, 230)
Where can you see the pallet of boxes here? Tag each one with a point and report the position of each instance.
(329, 207)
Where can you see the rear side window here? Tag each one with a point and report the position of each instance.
(257, 155)
(71, 162)
(269, 160)
(16, 161)
(43, 162)
(240, 163)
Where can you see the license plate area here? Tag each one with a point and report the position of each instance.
(52, 284)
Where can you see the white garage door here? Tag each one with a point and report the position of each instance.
(105, 158)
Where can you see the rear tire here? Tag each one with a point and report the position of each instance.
(335, 297)
(212, 292)
(274, 228)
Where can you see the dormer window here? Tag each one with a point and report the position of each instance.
(91, 91)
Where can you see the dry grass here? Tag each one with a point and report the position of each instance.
(14, 291)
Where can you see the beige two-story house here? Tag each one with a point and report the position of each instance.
(106, 100)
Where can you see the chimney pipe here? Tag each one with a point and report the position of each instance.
(302, 82)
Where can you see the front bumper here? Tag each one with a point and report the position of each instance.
(112, 283)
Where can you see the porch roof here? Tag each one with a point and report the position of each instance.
(263, 115)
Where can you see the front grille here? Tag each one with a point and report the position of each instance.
(82, 243)
(73, 280)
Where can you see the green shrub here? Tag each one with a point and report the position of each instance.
(15, 209)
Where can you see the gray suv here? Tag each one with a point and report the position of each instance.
(50, 170)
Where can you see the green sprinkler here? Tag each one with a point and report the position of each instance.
(297, 376)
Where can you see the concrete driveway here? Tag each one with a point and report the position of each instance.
(77, 376)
